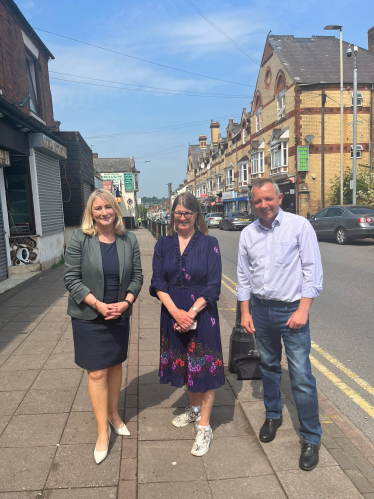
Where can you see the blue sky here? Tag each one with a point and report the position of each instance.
(170, 33)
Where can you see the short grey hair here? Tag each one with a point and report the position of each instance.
(263, 181)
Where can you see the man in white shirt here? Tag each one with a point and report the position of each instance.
(280, 273)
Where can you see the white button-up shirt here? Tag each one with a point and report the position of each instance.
(282, 263)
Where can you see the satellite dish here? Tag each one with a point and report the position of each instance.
(309, 138)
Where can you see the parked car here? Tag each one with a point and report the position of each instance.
(213, 219)
(235, 220)
(344, 223)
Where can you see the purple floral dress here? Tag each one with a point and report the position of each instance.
(194, 357)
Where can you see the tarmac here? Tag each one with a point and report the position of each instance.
(48, 429)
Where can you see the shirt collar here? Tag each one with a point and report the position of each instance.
(277, 220)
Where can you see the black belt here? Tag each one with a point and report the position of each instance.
(276, 303)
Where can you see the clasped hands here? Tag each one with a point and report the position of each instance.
(111, 310)
(183, 320)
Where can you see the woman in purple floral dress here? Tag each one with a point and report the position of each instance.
(186, 278)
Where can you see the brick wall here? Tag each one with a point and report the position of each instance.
(13, 78)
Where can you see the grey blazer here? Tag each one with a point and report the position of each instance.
(84, 272)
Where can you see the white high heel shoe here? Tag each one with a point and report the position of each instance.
(120, 431)
(100, 456)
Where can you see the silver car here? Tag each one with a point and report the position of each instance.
(344, 223)
(213, 219)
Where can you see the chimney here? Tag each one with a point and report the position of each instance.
(371, 39)
(95, 155)
(214, 131)
(202, 140)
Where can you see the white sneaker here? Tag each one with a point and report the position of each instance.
(202, 441)
(189, 416)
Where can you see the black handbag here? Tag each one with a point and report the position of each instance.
(247, 365)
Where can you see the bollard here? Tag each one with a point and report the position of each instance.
(243, 343)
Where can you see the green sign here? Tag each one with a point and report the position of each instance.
(127, 179)
(303, 158)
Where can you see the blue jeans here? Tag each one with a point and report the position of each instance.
(270, 325)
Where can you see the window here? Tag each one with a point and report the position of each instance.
(210, 185)
(279, 155)
(358, 151)
(229, 177)
(203, 189)
(258, 120)
(31, 81)
(257, 162)
(321, 214)
(335, 212)
(197, 192)
(244, 137)
(360, 98)
(281, 105)
(243, 173)
(219, 185)
(362, 210)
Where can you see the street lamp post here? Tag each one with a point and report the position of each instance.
(340, 28)
(354, 163)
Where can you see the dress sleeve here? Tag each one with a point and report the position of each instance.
(158, 278)
(212, 289)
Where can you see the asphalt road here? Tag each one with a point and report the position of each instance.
(342, 323)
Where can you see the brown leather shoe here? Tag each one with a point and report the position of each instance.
(269, 429)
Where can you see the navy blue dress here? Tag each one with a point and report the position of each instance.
(194, 357)
(100, 344)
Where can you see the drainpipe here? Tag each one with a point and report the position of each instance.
(323, 149)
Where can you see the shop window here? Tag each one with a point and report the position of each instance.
(19, 197)
(257, 162)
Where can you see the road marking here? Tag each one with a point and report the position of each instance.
(344, 369)
(361, 402)
(228, 278)
(234, 309)
(228, 287)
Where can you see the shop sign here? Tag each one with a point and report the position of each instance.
(117, 178)
(229, 195)
(303, 158)
(203, 195)
(127, 179)
(107, 185)
(4, 158)
(47, 145)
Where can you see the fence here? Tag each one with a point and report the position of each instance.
(158, 229)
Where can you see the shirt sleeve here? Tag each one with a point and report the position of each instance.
(311, 262)
(73, 270)
(243, 288)
(158, 278)
(212, 290)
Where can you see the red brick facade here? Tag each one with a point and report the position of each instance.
(13, 77)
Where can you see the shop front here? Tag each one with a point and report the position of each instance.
(287, 188)
(228, 199)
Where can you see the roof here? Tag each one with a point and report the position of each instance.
(244, 158)
(317, 59)
(28, 26)
(114, 165)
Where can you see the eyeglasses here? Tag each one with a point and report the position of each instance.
(186, 214)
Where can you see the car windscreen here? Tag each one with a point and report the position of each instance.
(237, 214)
(218, 214)
(362, 210)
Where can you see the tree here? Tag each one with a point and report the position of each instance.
(365, 188)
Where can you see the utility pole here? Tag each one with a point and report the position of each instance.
(323, 149)
(354, 163)
(169, 195)
(341, 118)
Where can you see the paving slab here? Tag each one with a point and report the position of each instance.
(150, 358)
(21, 495)
(3, 358)
(264, 487)
(17, 380)
(9, 401)
(58, 378)
(89, 493)
(31, 314)
(65, 346)
(82, 400)
(148, 375)
(190, 490)
(284, 452)
(61, 361)
(36, 348)
(162, 396)
(74, 466)
(230, 421)
(224, 396)
(24, 468)
(39, 430)
(321, 483)
(155, 424)
(24, 362)
(47, 401)
(81, 428)
(153, 469)
(7, 348)
(235, 457)
(4, 420)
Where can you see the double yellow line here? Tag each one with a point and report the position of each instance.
(356, 397)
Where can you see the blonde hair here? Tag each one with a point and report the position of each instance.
(189, 201)
(88, 224)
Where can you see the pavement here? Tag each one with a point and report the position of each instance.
(48, 429)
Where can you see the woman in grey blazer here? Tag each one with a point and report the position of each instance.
(103, 275)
